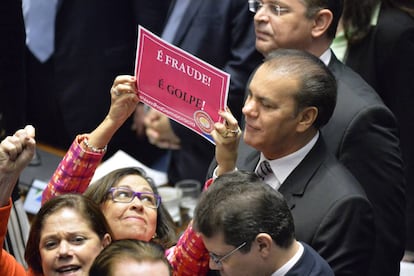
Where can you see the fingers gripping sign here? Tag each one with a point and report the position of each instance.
(227, 136)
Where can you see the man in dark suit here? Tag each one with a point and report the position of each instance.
(384, 57)
(362, 132)
(291, 96)
(221, 33)
(12, 89)
(94, 42)
(250, 230)
(13, 111)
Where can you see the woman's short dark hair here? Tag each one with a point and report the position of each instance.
(139, 251)
(98, 192)
(82, 205)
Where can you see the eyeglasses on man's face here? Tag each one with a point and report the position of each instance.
(218, 260)
(256, 5)
(126, 195)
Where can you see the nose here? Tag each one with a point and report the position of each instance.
(64, 249)
(249, 108)
(137, 203)
(261, 15)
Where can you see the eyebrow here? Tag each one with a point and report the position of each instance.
(262, 99)
(66, 234)
(271, 2)
(144, 189)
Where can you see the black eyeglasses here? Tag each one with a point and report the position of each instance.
(219, 260)
(256, 5)
(126, 195)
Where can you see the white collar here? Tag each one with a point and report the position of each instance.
(326, 56)
(288, 266)
(282, 167)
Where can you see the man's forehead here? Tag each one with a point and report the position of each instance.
(273, 70)
(215, 243)
(285, 2)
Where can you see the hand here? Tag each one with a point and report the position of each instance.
(227, 137)
(16, 151)
(124, 99)
(159, 130)
(15, 154)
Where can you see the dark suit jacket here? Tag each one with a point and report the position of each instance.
(12, 89)
(385, 59)
(94, 42)
(12, 105)
(310, 264)
(221, 33)
(330, 209)
(363, 134)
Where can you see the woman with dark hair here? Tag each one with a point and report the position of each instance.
(127, 197)
(98, 192)
(68, 232)
(131, 257)
(72, 220)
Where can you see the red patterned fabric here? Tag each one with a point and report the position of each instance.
(189, 256)
(74, 172)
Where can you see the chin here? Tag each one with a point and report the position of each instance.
(250, 140)
(254, 142)
(263, 48)
(134, 235)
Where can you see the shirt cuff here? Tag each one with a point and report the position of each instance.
(215, 172)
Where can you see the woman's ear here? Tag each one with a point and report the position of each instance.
(322, 21)
(106, 240)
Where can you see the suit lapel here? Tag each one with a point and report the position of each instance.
(297, 182)
(186, 21)
(334, 65)
(295, 185)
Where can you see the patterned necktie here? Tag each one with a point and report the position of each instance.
(264, 169)
(39, 19)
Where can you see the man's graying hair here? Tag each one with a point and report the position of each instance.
(335, 6)
(317, 84)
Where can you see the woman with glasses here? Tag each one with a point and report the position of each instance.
(127, 197)
(132, 206)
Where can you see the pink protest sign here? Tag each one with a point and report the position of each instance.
(180, 85)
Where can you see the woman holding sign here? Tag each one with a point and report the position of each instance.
(127, 197)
